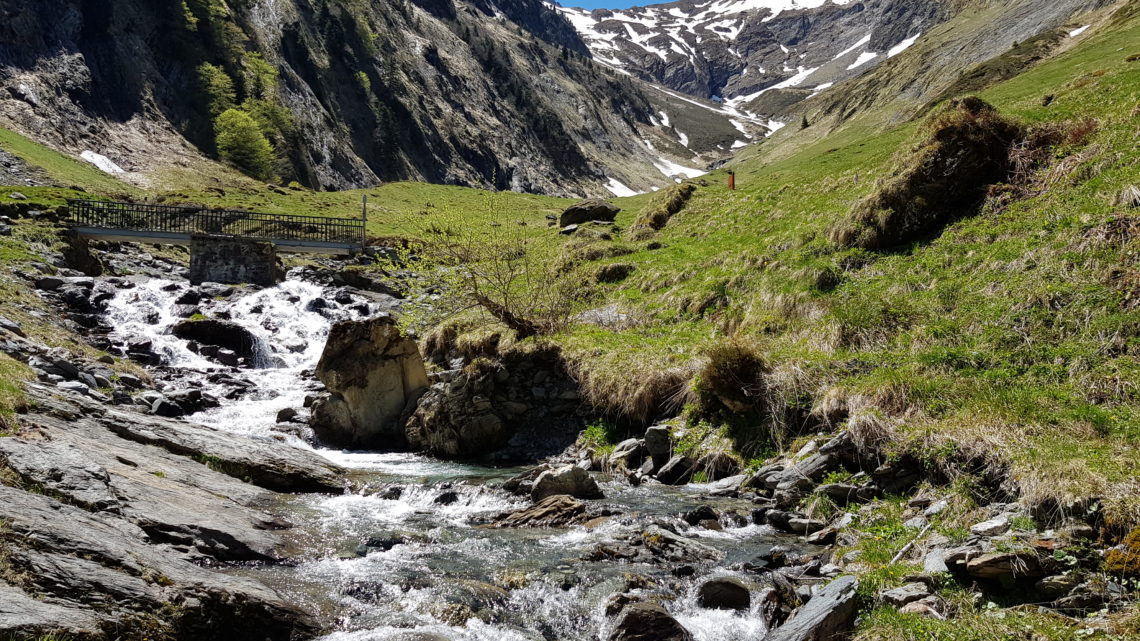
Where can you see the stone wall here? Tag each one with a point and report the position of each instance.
(231, 261)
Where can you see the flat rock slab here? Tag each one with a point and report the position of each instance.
(825, 617)
(78, 558)
(263, 461)
(21, 615)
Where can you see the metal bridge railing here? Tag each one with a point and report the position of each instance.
(195, 220)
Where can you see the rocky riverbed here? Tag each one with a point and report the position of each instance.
(179, 487)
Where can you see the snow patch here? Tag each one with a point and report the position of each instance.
(1076, 32)
(902, 46)
(671, 169)
(864, 58)
(102, 162)
(618, 189)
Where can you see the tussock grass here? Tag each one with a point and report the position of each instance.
(966, 149)
(657, 214)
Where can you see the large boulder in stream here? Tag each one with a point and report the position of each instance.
(568, 479)
(226, 335)
(373, 372)
(648, 622)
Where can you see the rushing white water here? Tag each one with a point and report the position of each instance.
(443, 574)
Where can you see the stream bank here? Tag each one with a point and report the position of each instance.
(213, 507)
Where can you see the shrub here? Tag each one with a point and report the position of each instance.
(1125, 562)
(241, 142)
(966, 150)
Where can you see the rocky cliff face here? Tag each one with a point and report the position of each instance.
(737, 49)
(350, 93)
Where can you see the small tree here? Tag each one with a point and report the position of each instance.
(218, 88)
(498, 274)
(804, 124)
(241, 142)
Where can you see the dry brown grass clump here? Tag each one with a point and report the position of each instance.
(637, 396)
(966, 151)
(613, 273)
(732, 379)
(657, 214)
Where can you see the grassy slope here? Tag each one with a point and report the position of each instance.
(1001, 331)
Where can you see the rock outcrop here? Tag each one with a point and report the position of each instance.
(127, 510)
(587, 210)
(373, 373)
(648, 622)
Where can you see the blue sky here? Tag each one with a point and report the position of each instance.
(608, 4)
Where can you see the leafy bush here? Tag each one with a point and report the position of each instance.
(241, 142)
(218, 89)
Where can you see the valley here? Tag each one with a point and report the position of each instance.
(882, 389)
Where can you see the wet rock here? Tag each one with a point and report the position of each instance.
(648, 622)
(617, 602)
(678, 471)
(287, 414)
(234, 341)
(555, 511)
(449, 497)
(702, 513)
(568, 479)
(588, 210)
(827, 615)
(805, 525)
(374, 373)
(670, 546)
(49, 283)
(724, 594)
(167, 408)
(901, 596)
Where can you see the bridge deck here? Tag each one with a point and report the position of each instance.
(178, 224)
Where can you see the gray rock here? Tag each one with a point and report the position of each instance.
(916, 523)
(805, 526)
(935, 562)
(724, 594)
(265, 463)
(568, 479)
(74, 386)
(568, 230)
(167, 408)
(287, 414)
(935, 509)
(17, 196)
(901, 596)
(1000, 565)
(11, 326)
(657, 441)
(992, 527)
(23, 616)
(827, 615)
(627, 454)
(84, 559)
(1057, 586)
(647, 622)
(678, 471)
(587, 210)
